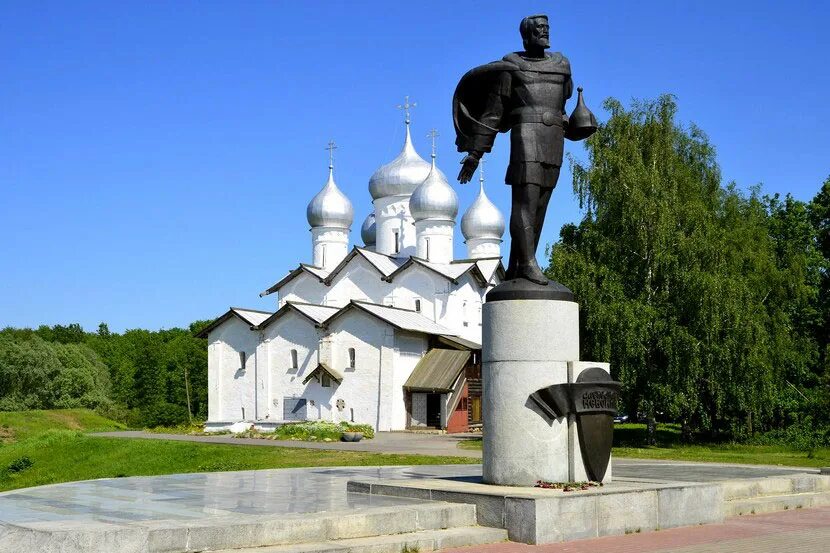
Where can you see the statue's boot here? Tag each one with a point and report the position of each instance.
(525, 258)
(532, 272)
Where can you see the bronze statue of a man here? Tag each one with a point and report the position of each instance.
(524, 93)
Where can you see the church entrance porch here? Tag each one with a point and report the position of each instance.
(437, 392)
(433, 410)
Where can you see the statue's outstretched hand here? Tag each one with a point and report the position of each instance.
(469, 165)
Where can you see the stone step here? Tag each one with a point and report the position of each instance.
(773, 503)
(425, 540)
(775, 486)
(260, 531)
(234, 532)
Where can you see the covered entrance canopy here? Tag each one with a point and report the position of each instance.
(437, 371)
(323, 368)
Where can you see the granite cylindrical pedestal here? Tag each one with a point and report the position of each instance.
(526, 345)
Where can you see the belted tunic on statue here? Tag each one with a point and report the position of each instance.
(525, 96)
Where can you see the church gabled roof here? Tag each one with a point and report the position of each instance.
(314, 313)
(451, 271)
(389, 267)
(384, 264)
(402, 319)
(318, 272)
(252, 317)
(488, 266)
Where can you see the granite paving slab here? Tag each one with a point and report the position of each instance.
(283, 491)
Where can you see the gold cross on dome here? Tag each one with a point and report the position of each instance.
(331, 147)
(406, 106)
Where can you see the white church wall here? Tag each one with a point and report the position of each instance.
(304, 288)
(329, 246)
(417, 283)
(409, 349)
(290, 332)
(478, 248)
(359, 280)
(464, 306)
(232, 387)
(434, 240)
(364, 387)
(395, 226)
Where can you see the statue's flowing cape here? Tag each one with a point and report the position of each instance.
(470, 98)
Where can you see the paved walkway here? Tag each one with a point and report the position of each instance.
(799, 531)
(195, 496)
(280, 491)
(119, 502)
(384, 442)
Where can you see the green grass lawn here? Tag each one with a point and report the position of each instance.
(627, 438)
(20, 425)
(55, 444)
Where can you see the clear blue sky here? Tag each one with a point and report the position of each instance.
(156, 158)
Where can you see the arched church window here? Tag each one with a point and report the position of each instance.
(418, 306)
(427, 248)
(242, 359)
(294, 363)
(352, 358)
(396, 238)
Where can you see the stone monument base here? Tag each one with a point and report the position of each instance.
(530, 340)
(538, 516)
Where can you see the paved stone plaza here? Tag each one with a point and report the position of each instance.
(282, 491)
(802, 531)
(195, 496)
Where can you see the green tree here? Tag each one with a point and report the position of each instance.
(820, 217)
(27, 367)
(36, 374)
(684, 284)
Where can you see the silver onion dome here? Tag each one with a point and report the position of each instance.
(434, 198)
(368, 232)
(330, 207)
(402, 175)
(483, 219)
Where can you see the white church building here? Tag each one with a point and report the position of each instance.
(387, 333)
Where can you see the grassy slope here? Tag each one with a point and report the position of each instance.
(55, 442)
(20, 425)
(628, 436)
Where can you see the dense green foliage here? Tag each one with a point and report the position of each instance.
(706, 300)
(144, 378)
(51, 446)
(36, 374)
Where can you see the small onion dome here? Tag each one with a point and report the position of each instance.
(483, 219)
(402, 175)
(434, 198)
(330, 207)
(368, 232)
